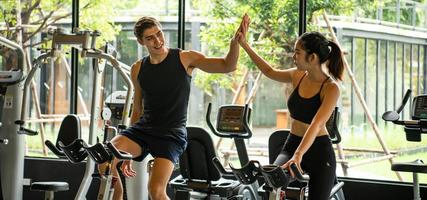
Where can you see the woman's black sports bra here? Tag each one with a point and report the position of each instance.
(304, 109)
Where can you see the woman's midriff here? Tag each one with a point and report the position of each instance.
(299, 128)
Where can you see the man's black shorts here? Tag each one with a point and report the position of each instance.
(160, 143)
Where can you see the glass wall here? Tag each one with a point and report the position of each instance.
(384, 42)
(272, 34)
(385, 48)
(384, 64)
(50, 97)
(48, 100)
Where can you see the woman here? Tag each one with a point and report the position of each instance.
(319, 66)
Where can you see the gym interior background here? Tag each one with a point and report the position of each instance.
(385, 44)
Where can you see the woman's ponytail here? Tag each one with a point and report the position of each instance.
(336, 63)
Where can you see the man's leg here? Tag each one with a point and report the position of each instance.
(159, 178)
(123, 143)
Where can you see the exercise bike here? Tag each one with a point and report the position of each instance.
(276, 178)
(78, 151)
(199, 178)
(413, 130)
(70, 146)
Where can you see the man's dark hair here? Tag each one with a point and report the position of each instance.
(144, 23)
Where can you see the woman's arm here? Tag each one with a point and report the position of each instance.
(263, 65)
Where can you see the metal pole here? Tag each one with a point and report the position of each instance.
(181, 24)
(377, 78)
(386, 75)
(74, 60)
(302, 17)
(353, 64)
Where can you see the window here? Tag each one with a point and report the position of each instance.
(385, 48)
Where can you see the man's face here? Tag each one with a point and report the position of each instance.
(154, 40)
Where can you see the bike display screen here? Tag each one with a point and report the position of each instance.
(230, 119)
(419, 107)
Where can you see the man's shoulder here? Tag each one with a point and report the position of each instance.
(136, 65)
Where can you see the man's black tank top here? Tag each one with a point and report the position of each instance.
(165, 92)
(304, 109)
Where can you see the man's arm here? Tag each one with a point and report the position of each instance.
(137, 108)
(194, 59)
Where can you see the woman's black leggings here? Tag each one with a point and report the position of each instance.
(319, 162)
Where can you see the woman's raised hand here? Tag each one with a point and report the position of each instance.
(240, 35)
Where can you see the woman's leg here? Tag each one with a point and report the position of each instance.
(320, 163)
(321, 183)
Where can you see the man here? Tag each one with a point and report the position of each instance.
(162, 88)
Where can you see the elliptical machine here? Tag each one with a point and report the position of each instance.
(413, 129)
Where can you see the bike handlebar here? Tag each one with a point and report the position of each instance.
(118, 154)
(54, 149)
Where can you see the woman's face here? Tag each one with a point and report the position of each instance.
(300, 57)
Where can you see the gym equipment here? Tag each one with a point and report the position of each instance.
(69, 131)
(199, 178)
(78, 150)
(413, 130)
(49, 188)
(137, 186)
(114, 107)
(276, 141)
(11, 145)
(85, 42)
(69, 145)
(115, 102)
(276, 178)
(101, 154)
(232, 122)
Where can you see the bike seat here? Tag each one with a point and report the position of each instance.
(416, 166)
